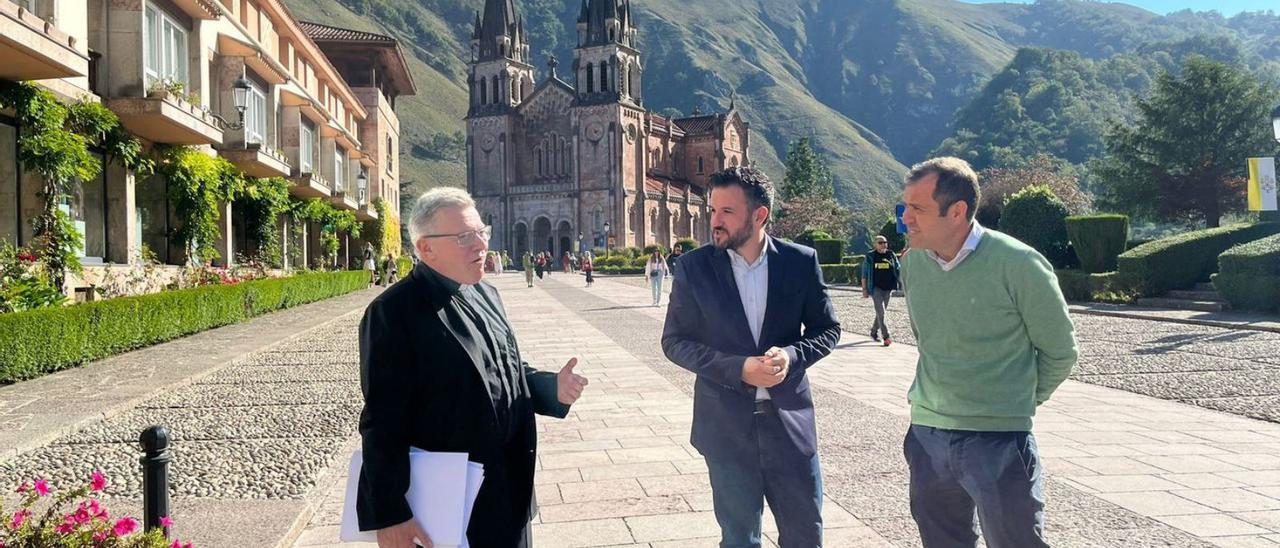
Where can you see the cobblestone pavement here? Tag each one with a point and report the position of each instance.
(250, 439)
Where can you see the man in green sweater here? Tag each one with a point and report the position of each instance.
(995, 340)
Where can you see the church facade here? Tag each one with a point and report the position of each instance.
(578, 162)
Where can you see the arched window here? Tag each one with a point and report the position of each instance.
(538, 153)
(591, 78)
(733, 162)
(699, 164)
(604, 76)
(484, 91)
(495, 90)
(515, 89)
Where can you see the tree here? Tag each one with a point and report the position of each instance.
(807, 174)
(999, 183)
(805, 213)
(1186, 156)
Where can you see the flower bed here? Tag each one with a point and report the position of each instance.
(54, 525)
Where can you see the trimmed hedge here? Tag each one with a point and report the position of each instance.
(1182, 260)
(1098, 240)
(897, 242)
(841, 273)
(43, 341)
(830, 250)
(1107, 287)
(687, 244)
(808, 237)
(1037, 217)
(1249, 275)
(619, 270)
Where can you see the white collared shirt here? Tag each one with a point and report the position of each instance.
(753, 289)
(970, 243)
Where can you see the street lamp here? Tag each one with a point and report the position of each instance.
(1275, 123)
(607, 249)
(362, 186)
(240, 99)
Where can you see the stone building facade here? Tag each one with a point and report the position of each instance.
(553, 163)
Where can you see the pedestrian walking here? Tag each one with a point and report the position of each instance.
(881, 275)
(540, 264)
(588, 268)
(528, 264)
(566, 263)
(368, 264)
(994, 341)
(654, 272)
(753, 415)
(676, 252)
(392, 269)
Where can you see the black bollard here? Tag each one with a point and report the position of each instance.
(155, 477)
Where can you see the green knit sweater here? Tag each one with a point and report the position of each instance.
(994, 336)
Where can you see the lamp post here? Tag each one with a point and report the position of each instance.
(240, 99)
(1275, 124)
(362, 187)
(607, 248)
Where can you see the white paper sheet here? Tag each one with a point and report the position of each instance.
(442, 492)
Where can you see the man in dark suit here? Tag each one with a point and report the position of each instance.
(735, 318)
(441, 371)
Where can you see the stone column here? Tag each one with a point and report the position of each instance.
(122, 217)
(226, 237)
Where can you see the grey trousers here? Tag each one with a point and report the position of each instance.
(880, 299)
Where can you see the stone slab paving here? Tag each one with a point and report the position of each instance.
(1123, 469)
(619, 471)
(257, 413)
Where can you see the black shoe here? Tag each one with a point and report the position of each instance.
(875, 336)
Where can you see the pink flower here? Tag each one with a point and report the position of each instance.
(22, 489)
(124, 526)
(100, 536)
(99, 481)
(165, 521)
(65, 527)
(19, 517)
(41, 487)
(82, 515)
(97, 510)
(176, 544)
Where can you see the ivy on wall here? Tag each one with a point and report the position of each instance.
(331, 220)
(262, 201)
(55, 141)
(385, 241)
(198, 185)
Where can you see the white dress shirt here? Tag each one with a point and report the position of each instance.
(753, 289)
(970, 243)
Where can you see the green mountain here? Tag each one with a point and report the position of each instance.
(875, 84)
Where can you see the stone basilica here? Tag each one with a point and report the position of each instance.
(554, 161)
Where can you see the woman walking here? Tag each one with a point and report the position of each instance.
(392, 270)
(369, 265)
(654, 272)
(566, 263)
(587, 267)
(540, 264)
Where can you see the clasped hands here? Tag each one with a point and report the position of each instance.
(768, 370)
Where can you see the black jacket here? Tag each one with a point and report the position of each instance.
(707, 333)
(424, 387)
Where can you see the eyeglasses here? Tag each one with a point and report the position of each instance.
(882, 243)
(468, 238)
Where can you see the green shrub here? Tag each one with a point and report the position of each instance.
(1249, 275)
(649, 249)
(404, 265)
(1184, 259)
(39, 342)
(839, 273)
(829, 250)
(612, 260)
(851, 259)
(1037, 217)
(687, 244)
(1080, 286)
(620, 270)
(897, 242)
(640, 261)
(1098, 240)
(808, 237)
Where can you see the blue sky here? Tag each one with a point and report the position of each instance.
(1227, 7)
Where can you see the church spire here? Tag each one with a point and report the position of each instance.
(499, 31)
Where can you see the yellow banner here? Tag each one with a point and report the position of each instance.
(1262, 184)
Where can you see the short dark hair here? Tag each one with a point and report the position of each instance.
(957, 182)
(753, 182)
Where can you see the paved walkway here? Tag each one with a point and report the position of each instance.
(1122, 469)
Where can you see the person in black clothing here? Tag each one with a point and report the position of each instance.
(440, 370)
(672, 258)
(881, 275)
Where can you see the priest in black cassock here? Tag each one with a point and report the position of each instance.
(440, 370)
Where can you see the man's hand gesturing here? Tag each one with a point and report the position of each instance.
(569, 385)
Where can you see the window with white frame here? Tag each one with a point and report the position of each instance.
(255, 116)
(339, 169)
(306, 147)
(165, 51)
